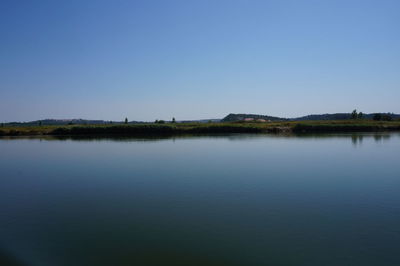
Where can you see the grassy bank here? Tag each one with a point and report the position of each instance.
(328, 127)
(206, 128)
(140, 129)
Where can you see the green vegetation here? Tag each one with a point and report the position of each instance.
(354, 114)
(163, 128)
(241, 117)
(382, 117)
(315, 117)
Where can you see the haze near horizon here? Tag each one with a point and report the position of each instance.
(149, 60)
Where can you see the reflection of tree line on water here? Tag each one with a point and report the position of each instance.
(357, 139)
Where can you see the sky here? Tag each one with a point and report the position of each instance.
(202, 59)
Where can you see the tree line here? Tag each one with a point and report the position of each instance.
(375, 117)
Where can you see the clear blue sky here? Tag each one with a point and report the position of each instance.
(149, 60)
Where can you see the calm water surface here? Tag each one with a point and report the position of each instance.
(227, 200)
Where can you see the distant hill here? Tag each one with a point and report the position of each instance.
(47, 122)
(200, 121)
(52, 122)
(62, 122)
(339, 116)
(240, 117)
(228, 118)
(315, 117)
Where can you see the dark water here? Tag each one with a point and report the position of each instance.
(228, 200)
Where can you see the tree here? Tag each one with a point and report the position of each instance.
(126, 120)
(173, 120)
(40, 123)
(382, 117)
(387, 117)
(377, 117)
(354, 114)
(360, 115)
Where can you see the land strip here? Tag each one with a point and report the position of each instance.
(205, 128)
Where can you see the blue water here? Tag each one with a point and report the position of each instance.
(222, 200)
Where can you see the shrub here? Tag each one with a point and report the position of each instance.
(382, 117)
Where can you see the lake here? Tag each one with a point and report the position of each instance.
(201, 200)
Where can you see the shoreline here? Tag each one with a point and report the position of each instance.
(170, 129)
